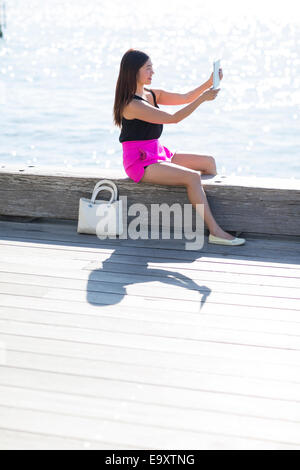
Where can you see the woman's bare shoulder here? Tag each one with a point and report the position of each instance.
(128, 111)
(130, 108)
(156, 92)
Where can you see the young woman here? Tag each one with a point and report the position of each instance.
(136, 110)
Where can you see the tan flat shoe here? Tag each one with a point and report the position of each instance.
(223, 241)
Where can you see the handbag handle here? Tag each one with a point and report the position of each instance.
(102, 188)
(116, 189)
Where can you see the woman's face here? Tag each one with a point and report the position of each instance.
(145, 73)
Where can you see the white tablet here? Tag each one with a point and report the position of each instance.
(216, 76)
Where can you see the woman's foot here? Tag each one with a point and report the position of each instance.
(221, 234)
(220, 237)
(224, 241)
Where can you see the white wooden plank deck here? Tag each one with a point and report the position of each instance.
(123, 344)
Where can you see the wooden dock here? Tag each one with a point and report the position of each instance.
(140, 344)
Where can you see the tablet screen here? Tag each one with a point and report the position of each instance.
(216, 77)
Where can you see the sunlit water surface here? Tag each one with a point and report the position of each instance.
(59, 63)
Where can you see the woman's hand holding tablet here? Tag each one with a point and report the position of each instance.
(217, 74)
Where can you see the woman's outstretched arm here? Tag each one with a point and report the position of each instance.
(168, 98)
(144, 111)
(192, 95)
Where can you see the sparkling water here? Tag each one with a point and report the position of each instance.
(59, 62)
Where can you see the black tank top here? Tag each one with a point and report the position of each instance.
(136, 129)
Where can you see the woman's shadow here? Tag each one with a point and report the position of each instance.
(130, 264)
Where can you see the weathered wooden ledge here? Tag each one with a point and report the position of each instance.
(239, 204)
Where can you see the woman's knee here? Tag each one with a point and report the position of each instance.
(192, 178)
(212, 166)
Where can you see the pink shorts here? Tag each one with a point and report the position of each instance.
(139, 153)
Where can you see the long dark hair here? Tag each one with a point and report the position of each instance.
(131, 62)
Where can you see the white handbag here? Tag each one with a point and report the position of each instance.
(101, 218)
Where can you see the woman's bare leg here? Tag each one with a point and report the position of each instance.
(204, 163)
(167, 173)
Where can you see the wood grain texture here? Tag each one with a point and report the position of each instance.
(239, 204)
(140, 344)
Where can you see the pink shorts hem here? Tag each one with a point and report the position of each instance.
(140, 153)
